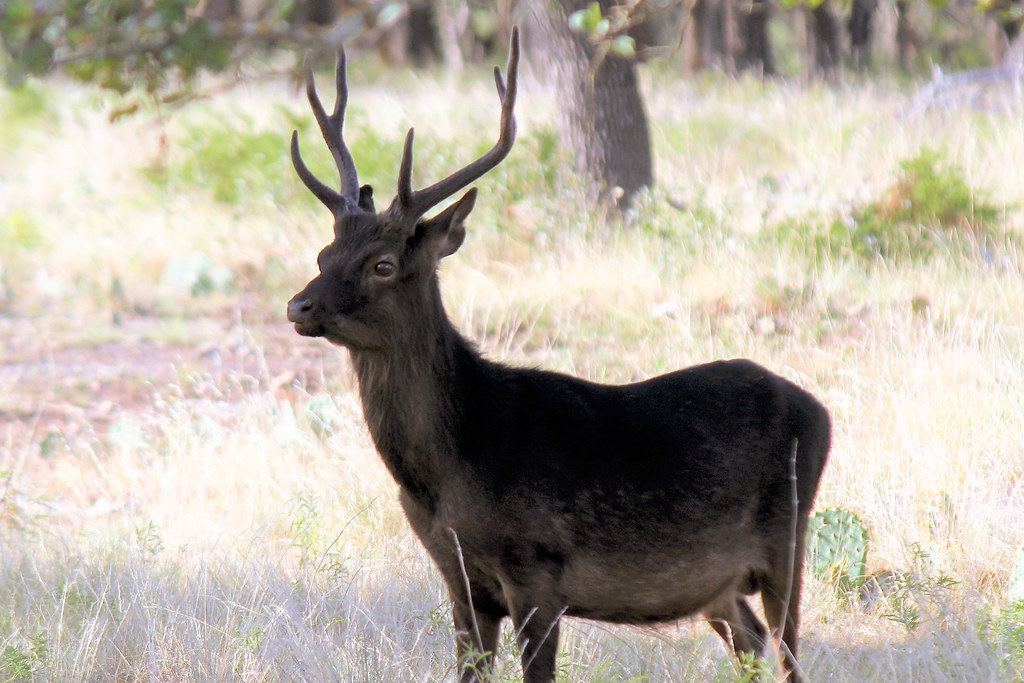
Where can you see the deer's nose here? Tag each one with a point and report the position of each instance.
(298, 310)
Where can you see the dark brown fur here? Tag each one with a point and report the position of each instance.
(540, 495)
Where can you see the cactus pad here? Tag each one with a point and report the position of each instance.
(837, 546)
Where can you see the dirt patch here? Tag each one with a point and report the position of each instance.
(56, 374)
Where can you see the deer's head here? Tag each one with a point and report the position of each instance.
(381, 265)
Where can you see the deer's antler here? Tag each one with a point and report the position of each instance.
(347, 200)
(409, 205)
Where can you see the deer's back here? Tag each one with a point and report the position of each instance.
(704, 432)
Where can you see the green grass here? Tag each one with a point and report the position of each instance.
(220, 511)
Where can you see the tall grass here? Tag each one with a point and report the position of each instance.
(233, 521)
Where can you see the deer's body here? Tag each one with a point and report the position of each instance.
(540, 495)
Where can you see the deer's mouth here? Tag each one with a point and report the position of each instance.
(310, 329)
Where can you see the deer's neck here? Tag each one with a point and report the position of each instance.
(413, 395)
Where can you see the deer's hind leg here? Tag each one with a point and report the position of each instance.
(781, 586)
(739, 627)
(780, 593)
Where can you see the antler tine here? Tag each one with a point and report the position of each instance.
(413, 204)
(335, 124)
(406, 197)
(331, 127)
(330, 197)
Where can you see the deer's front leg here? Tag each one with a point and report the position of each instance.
(476, 640)
(536, 628)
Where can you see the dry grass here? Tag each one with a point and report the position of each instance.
(201, 526)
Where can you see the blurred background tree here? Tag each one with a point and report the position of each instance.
(160, 46)
(593, 59)
(589, 49)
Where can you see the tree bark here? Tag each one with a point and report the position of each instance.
(1007, 15)
(220, 10)
(906, 36)
(604, 118)
(715, 34)
(318, 12)
(757, 48)
(825, 32)
(861, 31)
(422, 44)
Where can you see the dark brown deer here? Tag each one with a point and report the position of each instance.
(540, 495)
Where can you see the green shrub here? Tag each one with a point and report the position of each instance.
(21, 655)
(196, 273)
(1016, 587)
(929, 203)
(238, 164)
(929, 209)
(1004, 633)
(26, 106)
(231, 162)
(18, 228)
(918, 594)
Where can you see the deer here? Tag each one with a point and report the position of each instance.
(540, 495)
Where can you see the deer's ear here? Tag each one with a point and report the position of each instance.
(366, 198)
(446, 231)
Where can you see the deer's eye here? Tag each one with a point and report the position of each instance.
(384, 268)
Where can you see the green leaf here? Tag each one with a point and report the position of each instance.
(16, 12)
(624, 46)
(18, 228)
(578, 21)
(37, 57)
(170, 12)
(195, 36)
(586, 20)
(389, 12)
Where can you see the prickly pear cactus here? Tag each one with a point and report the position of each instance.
(837, 546)
(324, 416)
(1016, 588)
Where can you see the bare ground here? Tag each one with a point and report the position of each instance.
(62, 375)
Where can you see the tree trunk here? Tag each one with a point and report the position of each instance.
(715, 32)
(701, 57)
(906, 36)
(825, 32)
(422, 45)
(1008, 17)
(220, 10)
(861, 32)
(604, 118)
(319, 12)
(448, 33)
(757, 49)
